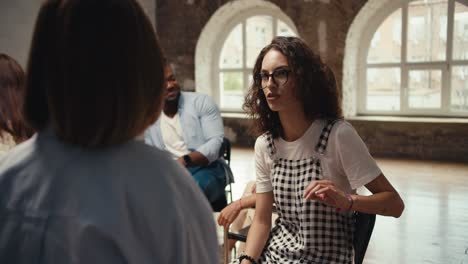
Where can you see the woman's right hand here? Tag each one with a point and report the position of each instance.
(229, 214)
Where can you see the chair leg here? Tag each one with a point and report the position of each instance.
(226, 246)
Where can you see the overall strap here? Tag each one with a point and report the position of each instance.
(323, 140)
(271, 146)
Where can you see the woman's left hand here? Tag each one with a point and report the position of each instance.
(326, 192)
(229, 214)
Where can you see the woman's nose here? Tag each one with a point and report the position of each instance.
(270, 82)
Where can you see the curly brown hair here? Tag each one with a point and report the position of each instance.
(315, 86)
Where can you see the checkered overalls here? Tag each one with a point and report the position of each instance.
(305, 231)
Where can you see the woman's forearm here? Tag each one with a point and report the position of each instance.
(247, 201)
(383, 203)
(261, 226)
(385, 200)
(257, 238)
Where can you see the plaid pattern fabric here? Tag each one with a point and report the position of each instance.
(305, 231)
(323, 140)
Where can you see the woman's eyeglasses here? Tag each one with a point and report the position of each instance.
(279, 77)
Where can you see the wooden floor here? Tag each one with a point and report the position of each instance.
(434, 225)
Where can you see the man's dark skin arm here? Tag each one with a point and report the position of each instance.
(197, 159)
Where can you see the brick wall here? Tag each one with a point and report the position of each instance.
(433, 140)
(179, 24)
(425, 140)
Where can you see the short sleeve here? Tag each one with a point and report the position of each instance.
(263, 165)
(354, 157)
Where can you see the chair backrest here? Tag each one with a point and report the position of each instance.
(225, 150)
(364, 225)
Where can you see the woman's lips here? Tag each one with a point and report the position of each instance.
(272, 97)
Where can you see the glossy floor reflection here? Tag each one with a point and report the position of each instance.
(434, 225)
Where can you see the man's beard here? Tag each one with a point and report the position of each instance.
(174, 97)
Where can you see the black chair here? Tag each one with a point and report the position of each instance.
(225, 152)
(364, 225)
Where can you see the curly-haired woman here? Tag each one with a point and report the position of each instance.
(309, 161)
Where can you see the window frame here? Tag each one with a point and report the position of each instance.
(445, 66)
(241, 18)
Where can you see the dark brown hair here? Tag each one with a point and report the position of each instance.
(95, 73)
(315, 86)
(12, 81)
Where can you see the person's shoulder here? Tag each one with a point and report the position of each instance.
(343, 129)
(150, 157)
(262, 141)
(194, 95)
(17, 153)
(155, 170)
(197, 97)
(163, 175)
(343, 133)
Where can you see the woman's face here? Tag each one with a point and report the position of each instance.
(277, 81)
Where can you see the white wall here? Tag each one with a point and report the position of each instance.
(17, 18)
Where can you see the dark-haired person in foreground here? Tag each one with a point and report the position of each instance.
(86, 188)
(309, 161)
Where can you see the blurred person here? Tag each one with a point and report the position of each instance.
(13, 128)
(191, 129)
(86, 188)
(239, 214)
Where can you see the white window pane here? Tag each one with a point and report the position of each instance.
(459, 95)
(386, 42)
(427, 30)
(460, 32)
(231, 54)
(232, 89)
(259, 34)
(383, 89)
(284, 30)
(425, 88)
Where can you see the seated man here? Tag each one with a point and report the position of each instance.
(191, 129)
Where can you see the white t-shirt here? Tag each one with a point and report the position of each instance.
(346, 160)
(172, 134)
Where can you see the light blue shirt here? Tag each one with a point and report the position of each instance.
(130, 203)
(201, 122)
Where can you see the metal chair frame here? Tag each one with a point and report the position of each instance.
(226, 154)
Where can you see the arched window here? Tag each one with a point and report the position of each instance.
(417, 61)
(229, 44)
(240, 48)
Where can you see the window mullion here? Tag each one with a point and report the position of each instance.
(275, 26)
(244, 55)
(447, 71)
(404, 67)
